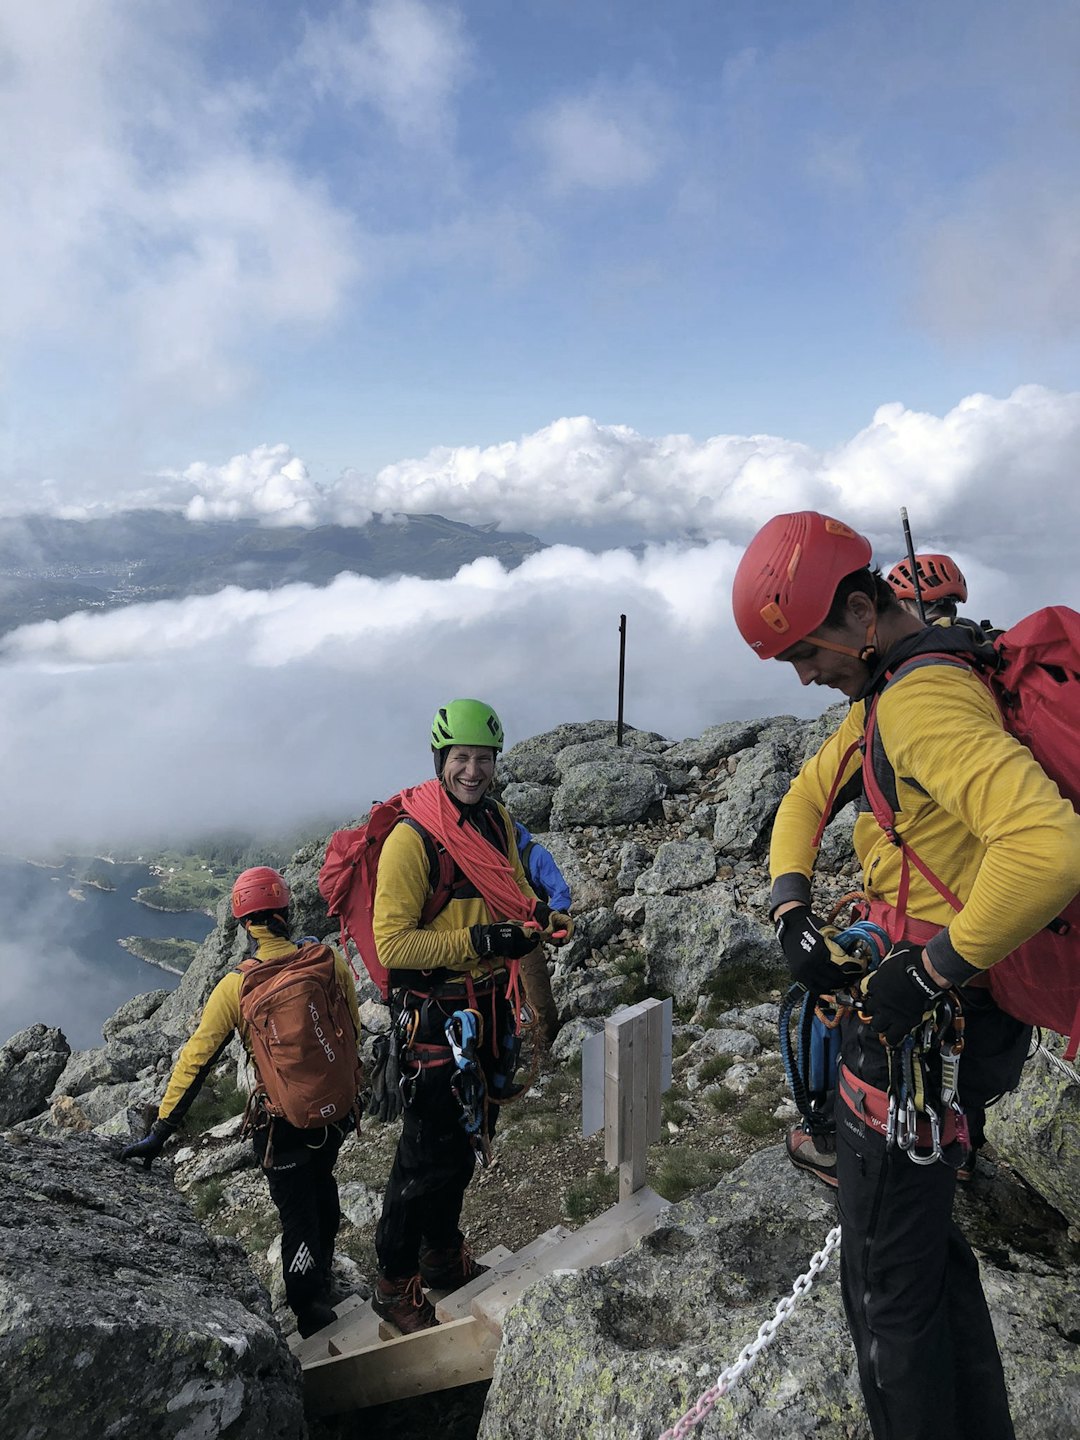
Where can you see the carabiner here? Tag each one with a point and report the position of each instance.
(934, 1155)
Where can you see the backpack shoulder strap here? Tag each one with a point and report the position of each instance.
(441, 870)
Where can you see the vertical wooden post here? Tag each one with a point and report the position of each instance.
(633, 1049)
(622, 678)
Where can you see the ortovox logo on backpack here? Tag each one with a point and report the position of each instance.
(302, 1037)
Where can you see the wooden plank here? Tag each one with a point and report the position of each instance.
(632, 1169)
(353, 1313)
(655, 1017)
(438, 1359)
(618, 1059)
(459, 1302)
(611, 1234)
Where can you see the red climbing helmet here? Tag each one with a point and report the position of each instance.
(259, 888)
(786, 581)
(940, 578)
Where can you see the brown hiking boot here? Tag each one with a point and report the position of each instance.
(804, 1152)
(451, 1268)
(404, 1304)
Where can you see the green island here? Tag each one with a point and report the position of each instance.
(198, 878)
(172, 955)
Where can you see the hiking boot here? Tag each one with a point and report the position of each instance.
(314, 1317)
(807, 1152)
(404, 1304)
(451, 1268)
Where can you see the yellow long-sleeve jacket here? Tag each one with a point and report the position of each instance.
(404, 884)
(971, 801)
(221, 1018)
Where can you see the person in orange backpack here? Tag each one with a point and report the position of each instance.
(994, 831)
(298, 1159)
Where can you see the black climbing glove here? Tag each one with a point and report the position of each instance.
(151, 1145)
(898, 994)
(503, 942)
(384, 1103)
(813, 957)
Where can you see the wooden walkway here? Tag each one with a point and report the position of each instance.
(360, 1361)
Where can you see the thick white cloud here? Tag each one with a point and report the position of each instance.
(989, 472)
(145, 224)
(258, 708)
(248, 706)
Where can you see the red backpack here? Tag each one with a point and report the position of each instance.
(1037, 688)
(302, 1036)
(347, 881)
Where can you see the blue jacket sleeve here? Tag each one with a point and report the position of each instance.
(542, 867)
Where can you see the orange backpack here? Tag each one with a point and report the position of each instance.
(302, 1036)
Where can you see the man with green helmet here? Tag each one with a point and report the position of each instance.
(454, 1001)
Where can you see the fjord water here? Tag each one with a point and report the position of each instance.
(60, 958)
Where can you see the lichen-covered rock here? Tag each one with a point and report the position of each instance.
(120, 1317)
(133, 1012)
(605, 792)
(529, 803)
(620, 1351)
(1037, 1130)
(714, 744)
(30, 1063)
(679, 865)
(744, 820)
(689, 938)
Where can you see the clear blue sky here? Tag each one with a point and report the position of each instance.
(366, 229)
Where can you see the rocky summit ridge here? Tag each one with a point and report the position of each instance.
(121, 1315)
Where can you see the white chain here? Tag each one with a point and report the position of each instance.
(749, 1353)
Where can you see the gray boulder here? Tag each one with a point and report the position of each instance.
(30, 1063)
(620, 1351)
(689, 938)
(714, 744)
(533, 760)
(744, 820)
(605, 792)
(134, 1012)
(529, 803)
(679, 865)
(120, 1317)
(1037, 1129)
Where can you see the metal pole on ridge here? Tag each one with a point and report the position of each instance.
(622, 677)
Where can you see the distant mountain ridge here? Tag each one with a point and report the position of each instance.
(50, 567)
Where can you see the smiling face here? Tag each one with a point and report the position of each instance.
(468, 771)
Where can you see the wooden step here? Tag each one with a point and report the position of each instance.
(356, 1324)
(611, 1234)
(438, 1359)
(458, 1303)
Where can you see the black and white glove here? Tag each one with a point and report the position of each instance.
(501, 942)
(899, 994)
(813, 957)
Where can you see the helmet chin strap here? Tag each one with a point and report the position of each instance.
(866, 654)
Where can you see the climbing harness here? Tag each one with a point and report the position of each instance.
(465, 1034)
(810, 1065)
(750, 1352)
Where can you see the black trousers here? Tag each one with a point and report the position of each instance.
(435, 1157)
(928, 1358)
(303, 1187)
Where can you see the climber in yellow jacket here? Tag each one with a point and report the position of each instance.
(980, 812)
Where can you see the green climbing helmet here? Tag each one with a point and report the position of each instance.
(466, 722)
